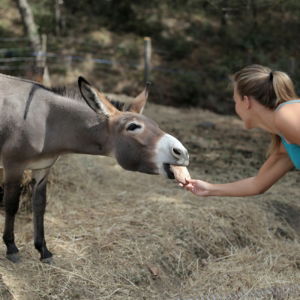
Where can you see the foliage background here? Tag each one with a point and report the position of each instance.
(197, 44)
(121, 235)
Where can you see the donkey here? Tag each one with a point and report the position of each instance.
(38, 124)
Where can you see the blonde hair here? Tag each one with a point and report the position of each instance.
(270, 88)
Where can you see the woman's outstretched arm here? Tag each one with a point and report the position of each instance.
(275, 167)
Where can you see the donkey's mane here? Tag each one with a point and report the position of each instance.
(74, 93)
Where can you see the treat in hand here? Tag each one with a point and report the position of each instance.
(181, 173)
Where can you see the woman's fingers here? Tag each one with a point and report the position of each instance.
(195, 186)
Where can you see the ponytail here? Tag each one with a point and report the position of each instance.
(283, 87)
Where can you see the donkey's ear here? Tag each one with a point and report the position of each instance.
(139, 102)
(95, 99)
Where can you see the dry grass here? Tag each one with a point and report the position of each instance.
(122, 235)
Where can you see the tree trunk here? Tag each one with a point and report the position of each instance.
(30, 27)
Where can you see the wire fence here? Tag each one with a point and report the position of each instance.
(121, 69)
(14, 59)
(124, 67)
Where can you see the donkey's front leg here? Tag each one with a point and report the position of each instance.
(12, 192)
(39, 206)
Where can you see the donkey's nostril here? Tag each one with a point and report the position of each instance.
(177, 152)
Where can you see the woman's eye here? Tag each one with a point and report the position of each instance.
(133, 126)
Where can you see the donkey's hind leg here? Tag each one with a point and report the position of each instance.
(39, 206)
(12, 191)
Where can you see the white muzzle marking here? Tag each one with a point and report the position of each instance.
(169, 150)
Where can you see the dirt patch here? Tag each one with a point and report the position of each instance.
(124, 235)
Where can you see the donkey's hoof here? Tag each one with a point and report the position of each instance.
(13, 257)
(48, 260)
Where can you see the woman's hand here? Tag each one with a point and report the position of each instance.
(197, 187)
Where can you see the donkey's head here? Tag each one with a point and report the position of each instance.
(137, 142)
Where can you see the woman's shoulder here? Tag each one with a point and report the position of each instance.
(288, 104)
(288, 107)
(287, 121)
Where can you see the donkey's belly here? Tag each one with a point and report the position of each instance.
(37, 164)
(42, 163)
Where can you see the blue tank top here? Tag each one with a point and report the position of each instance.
(293, 150)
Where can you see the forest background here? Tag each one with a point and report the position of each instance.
(196, 44)
(117, 234)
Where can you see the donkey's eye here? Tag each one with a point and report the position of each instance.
(133, 126)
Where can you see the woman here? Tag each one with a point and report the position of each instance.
(263, 99)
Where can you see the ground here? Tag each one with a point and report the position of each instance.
(123, 235)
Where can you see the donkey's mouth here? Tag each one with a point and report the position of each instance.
(167, 169)
(180, 173)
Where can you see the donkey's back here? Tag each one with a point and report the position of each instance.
(22, 125)
(14, 96)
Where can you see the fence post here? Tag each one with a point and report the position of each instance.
(147, 58)
(68, 63)
(292, 65)
(59, 19)
(45, 75)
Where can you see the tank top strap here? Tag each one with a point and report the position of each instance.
(287, 102)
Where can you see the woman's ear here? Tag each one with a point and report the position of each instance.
(247, 101)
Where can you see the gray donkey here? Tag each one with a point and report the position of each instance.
(37, 125)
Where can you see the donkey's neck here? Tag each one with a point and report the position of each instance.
(76, 128)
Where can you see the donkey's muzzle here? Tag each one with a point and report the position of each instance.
(170, 151)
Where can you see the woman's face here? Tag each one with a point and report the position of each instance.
(241, 108)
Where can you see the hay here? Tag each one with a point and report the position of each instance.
(122, 235)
